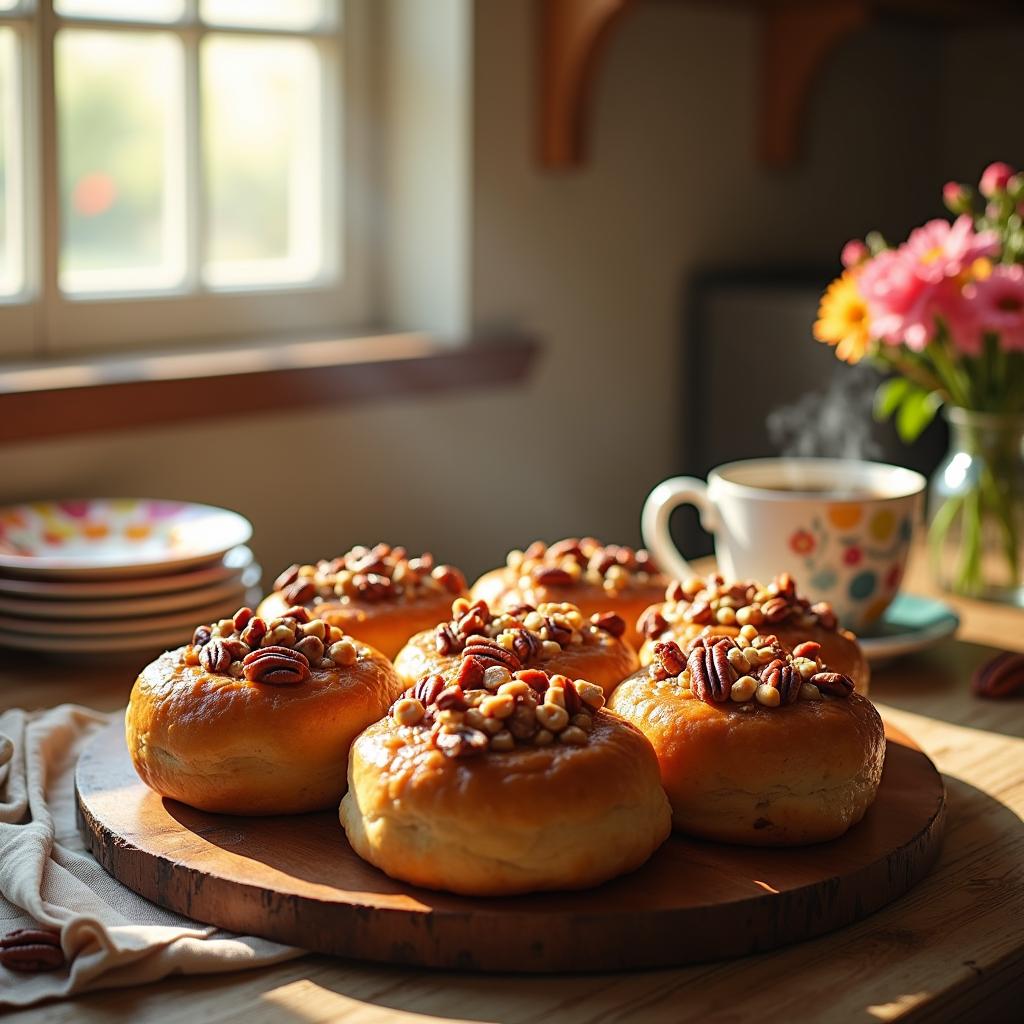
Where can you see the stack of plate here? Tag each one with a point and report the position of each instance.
(120, 574)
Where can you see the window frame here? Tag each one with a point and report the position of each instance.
(44, 322)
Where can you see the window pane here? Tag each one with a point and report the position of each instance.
(293, 14)
(130, 10)
(262, 158)
(11, 202)
(120, 101)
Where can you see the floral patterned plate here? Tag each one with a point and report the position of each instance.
(99, 538)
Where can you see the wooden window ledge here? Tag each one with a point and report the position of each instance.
(113, 393)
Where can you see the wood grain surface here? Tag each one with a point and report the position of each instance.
(296, 880)
(951, 949)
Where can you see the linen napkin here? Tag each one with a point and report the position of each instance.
(111, 937)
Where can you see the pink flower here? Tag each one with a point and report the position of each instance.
(994, 178)
(941, 249)
(899, 300)
(854, 253)
(998, 304)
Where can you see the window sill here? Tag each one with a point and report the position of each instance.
(49, 400)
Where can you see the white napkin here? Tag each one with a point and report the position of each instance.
(111, 937)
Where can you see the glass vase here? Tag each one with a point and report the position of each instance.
(976, 507)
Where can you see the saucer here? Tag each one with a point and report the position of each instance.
(911, 623)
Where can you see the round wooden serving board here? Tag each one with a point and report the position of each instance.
(295, 880)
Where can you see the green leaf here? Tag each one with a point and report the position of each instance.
(889, 395)
(915, 413)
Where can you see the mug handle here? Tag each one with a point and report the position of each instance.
(661, 502)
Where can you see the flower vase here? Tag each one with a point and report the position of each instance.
(976, 507)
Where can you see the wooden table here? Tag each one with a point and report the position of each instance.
(952, 949)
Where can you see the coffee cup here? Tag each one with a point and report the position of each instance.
(841, 527)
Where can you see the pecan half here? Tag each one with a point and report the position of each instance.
(609, 622)
(241, 618)
(824, 614)
(670, 657)
(371, 586)
(299, 592)
(31, 949)
(287, 578)
(201, 635)
(785, 679)
(837, 684)
(775, 609)
(215, 656)
(534, 678)
(446, 640)
(427, 689)
(463, 743)
(1001, 677)
(254, 632)
(711, 675)
(279, 666)
(525, 645)
(474, 620)
(492, 653)
(551, 576)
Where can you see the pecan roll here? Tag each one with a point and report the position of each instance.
(279, 666)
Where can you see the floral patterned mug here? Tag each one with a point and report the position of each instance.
(842, 527)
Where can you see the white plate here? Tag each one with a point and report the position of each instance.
(911, 623)
(103, 538)
(185, 621)
(132, 607)
(228, 568)
(155, 642)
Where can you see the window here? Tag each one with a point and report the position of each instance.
(172, 170)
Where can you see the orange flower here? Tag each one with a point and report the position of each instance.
(843, 319)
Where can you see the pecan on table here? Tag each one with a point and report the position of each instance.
(31, 949)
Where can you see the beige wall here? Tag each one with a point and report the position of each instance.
(594, 263)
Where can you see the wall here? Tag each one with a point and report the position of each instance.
(594, 262)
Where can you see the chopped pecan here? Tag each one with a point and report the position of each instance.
(601, 561)
(1001, 677)
(215, 656)
(645, 563)
(371, 585)
(675, 592)
(569, 546)
(609, 622)
(518, 611)
(572, 697)
(492, 653)
(471, 673)
(824, 614)
(254, 632)
(785, 585)
(287, 578)
(463, 743)
(837, 684)
(711, 675)
(311, 647)
(775, 609)
(474, 620)
(700, 612)
(298, 613)
(450, 578)
(670, 657)
(238, 649)
(652, 623)
(808, 649)
(535, 551)
(299, 592)
(241, 618)
(560, 632)
(535, 679)
(279, 666)
(551, 576)
(201, 635)
(452, 698)
(31, 950)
